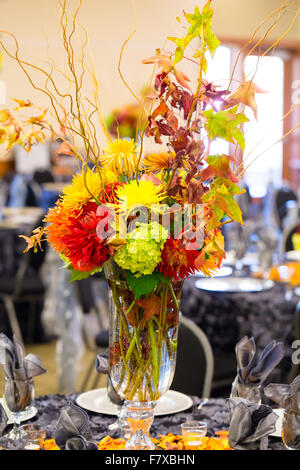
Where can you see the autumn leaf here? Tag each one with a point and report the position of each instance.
(38, 119)
(224, 124)
(181, 78)
(160, 110)
(244, 94)
(132, 316)
(35, 240)
(31, 138)
(4, 115)
(219, 165)
(64, 149)
(22, 104)
(164, 62)
(151, 306)
(221, 199)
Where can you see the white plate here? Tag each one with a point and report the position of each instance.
(98, 402)
(292, 255)
(279, 412)
(222, 272)
(234, 284)
(32, 411)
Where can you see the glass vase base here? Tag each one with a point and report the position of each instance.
(140, 416)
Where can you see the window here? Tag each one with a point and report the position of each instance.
(268, 73)
(260, 135)
(218, 71)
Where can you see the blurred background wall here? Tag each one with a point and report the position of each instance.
(35, 22)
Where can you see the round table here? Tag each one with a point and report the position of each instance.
(214, 412)
(227, 317)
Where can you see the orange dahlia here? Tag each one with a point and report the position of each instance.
(58, 219)
(176, 261)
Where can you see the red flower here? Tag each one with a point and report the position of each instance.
(108, 196)
(176, 261)
(85, 251)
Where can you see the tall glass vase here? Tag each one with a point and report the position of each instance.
(143, 345)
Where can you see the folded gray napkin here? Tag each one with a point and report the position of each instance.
(73, 431)
(250, 424)
(3, 420)
(20, 370)
(15, 366)
(286, 396)
(251, 374)
(102, 363)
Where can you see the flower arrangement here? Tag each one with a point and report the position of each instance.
(183, 178)
(148, 220)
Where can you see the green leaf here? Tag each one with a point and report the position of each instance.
(238, 137)
(221, 198)
(225, 124)
(78, 275)
(212, 41)
(145, 284)
(179, 52)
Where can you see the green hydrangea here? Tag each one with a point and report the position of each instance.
(142, 252)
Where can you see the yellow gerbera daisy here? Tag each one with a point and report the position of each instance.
(158, 161)
(136, 194)
(76, 194)
(120, 156)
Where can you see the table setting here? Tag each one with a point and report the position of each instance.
(87, 421)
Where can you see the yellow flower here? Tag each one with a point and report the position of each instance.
(76, 194)
(158, 161)
(120, 156)
(136, 194)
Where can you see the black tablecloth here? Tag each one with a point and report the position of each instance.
(214, 412)
(227, 317)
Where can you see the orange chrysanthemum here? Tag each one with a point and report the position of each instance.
(58, 219)
(156, 162)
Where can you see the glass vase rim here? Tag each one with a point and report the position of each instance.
(112, 277)
(291, 412)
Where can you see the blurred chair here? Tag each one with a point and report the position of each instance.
(43, 176)
(281, 197)
(224, 373)
(195, 362)
(286, 243)
(25, 286)
(95, 336)
(295, 369)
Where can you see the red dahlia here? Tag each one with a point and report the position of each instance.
(108, 196)
(85, 251)
(176, 261)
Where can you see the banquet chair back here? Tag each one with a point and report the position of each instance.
(281, 197)
(195, 362)
(25, 286)
(287, 243)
